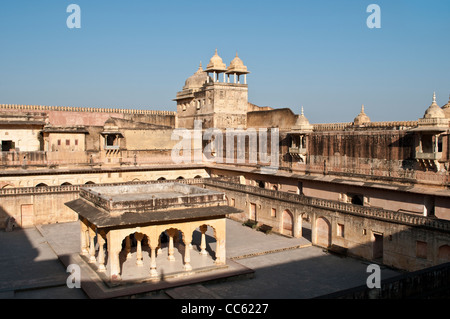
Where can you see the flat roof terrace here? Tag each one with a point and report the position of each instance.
(117, 200)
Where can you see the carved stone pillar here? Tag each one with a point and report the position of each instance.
(187, 237)
(101, 252)
(153, 240)
(139, 237)
(114, 243)
(128, 246)
(203, 230)
(153, 271)
(84, 243)
(220, 242)
(171, 233)
(92, 258)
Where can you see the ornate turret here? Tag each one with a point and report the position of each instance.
(362, 117)
(216, 66)
(429, 133)
(197, 80)
(238, 68)
(299, 138)
(302, 124)
(434, 111)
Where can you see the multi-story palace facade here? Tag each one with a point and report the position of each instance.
(375, 190)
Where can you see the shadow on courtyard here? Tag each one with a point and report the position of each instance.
(30, 269)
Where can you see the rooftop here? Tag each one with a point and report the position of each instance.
(141, 198)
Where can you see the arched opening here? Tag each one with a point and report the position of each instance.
(198, 176)
(89, 183)
(287, 220)
(357, 200)
(134, 257)
(323, 232)
(274, 187)
(261, 184)
(65, 184)
(135, 180)
(7, 186)
(205, 244)
(306, 226)
(161, 179)
(444, 254)
(180, 177)
(41, 185)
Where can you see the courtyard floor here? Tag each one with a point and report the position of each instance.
(283, 267)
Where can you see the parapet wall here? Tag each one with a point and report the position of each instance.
(433, 282)
(372, 125)
(92, 116)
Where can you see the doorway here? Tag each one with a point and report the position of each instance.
(287, 219)
(377, 247)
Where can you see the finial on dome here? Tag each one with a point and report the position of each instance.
(302, 110)
(216, 52)
(362, 108)
(434, 97)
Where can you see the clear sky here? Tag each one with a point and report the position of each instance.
(319, 54)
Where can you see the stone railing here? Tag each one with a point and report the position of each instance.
(82, 109)
(369, 212)
(76, 188)
(342, 126)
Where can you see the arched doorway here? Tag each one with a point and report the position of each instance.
(41, 185)
(323, 232)
(287, 220)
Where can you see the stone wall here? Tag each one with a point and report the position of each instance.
(407, 241)
(92, 116)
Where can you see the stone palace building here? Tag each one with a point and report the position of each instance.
(374, 190)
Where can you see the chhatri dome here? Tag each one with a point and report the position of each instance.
(434, 111)
(302, 123)
(196, 80)
(216, 64)
(362, 117)
(237, 66)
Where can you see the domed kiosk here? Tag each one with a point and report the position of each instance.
(428, 136)
(299, 138)
(362, 118)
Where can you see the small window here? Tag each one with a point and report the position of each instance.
(340, 230)
(421, 249)
(59, 142)
(76, 142)
(273, 213)
(233, 203)
(67, 142)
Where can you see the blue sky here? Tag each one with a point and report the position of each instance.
(319, 54)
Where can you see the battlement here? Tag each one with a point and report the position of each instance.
(82, 109)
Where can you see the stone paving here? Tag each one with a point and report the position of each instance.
(29, 266)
